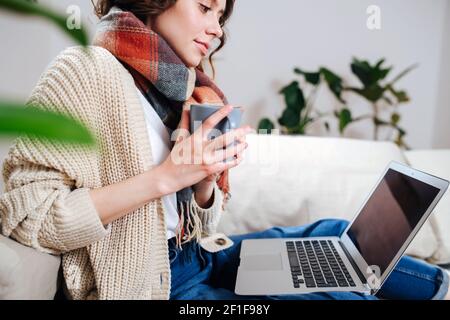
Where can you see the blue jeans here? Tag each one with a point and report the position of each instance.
(201, 275)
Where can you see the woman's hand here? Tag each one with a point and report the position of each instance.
(204, 189)
(195, 160)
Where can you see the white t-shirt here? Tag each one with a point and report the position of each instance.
(160, 144)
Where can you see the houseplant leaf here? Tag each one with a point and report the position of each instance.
(293, 96)
(372, 93)
(290, 118)
(395, 118)
(19, 119)
(362, 71)
(295, 103)
(334, 83)
(266, 124)
(345, 118)
(401, 96)
(367, 74)
(310, 77)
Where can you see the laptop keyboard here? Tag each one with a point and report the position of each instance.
(317, 264)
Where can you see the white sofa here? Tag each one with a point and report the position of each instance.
(283, 181)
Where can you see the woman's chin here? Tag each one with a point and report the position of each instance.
(193, 61)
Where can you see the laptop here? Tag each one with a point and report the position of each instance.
(360, 259)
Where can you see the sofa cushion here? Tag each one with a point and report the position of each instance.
(436, 162)
(26, 273)
(295, 180)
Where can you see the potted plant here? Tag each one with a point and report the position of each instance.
(300, 111)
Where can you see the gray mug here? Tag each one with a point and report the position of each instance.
(199, 113)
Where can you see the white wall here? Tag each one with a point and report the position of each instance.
(29, 44)
(442, 124)
(268, 38)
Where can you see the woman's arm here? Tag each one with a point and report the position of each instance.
(117, 200)
(42, 208)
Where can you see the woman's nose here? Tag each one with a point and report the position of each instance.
(215, 28)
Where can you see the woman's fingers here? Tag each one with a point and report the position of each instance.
(228, 138)
(214, 120)
(229, 152)
(222, 166)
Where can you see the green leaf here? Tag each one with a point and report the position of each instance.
(20, 119)
(30, 8)
(367, 74)
(290, 118)
(345, 118)
(293, 97)
(266, 124)
(395, 118)
(362, 70)
(401, 96)
(372, 93)
(334, 83)
(310, 77)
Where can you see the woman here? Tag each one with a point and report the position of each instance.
(127, 219)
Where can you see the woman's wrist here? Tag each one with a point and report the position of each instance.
(204, 194)
(162, 181)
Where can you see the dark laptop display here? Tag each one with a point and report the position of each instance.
(389, 217)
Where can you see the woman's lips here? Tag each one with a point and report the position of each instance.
(203, 47)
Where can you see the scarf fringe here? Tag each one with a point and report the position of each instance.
(189, 226)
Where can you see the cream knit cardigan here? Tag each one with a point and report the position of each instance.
(46, 204)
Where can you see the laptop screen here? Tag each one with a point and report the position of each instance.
(389, 216)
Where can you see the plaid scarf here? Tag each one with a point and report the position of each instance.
(167, 84)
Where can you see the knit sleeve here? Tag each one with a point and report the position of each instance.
(46, 204)
(210, 217)
(41, 209)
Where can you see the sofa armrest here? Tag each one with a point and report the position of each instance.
(26, 273)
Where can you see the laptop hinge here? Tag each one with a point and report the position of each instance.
(353, 263)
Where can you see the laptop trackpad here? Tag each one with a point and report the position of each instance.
(269, 262)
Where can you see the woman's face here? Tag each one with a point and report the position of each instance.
(189, 27)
